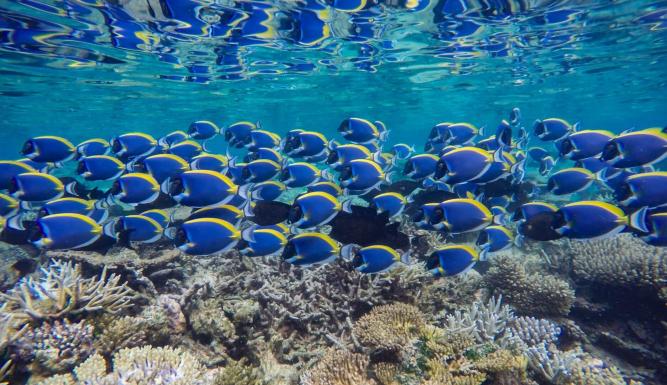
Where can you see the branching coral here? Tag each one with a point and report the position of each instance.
(390, 327)
(58, 346)
(534, 294)
(10, 331)
(238, 373)
(486, 322)
(534, 331)
(62, 291)
(339, 367)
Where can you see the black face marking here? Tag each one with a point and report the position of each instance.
(176, 186)
(345, 173)
(295, 214)
(440, 169)
(610, 151)
(28, 148)
(566, 147)
(181, 238)
(288, 251)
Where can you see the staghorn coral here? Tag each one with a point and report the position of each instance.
(534, 331)
(534, 294)
(9, 332)
(620, 261)
(238, 373)
(58, 346)
(208, 318)
(338, 367)
(120, 333)
(387, 373)
(62, 291)
(486, 322)
(504, 367)
(390, 327)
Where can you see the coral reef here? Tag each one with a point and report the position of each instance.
(62, 291)
(338, 367)
(10, 331)
(534, 331)
(58, 346)
(532, 294)
(389, 327)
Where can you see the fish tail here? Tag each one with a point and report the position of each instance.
(638, 220)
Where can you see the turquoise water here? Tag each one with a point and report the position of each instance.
(81, 69)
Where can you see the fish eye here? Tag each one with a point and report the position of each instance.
(610, 151)
(288, 251)
(250, 157)
(115, 187)
(294, 214)
(332, 158)
(419, 216)
(36, 233)
(551, 184)
(81, 167)
(284, 175)
(483, 238)
(428, 147)
(42, 212)
(623, 192)
(181, 237)
(357, 260)
(245, 172)
(228, 135)
(408, 168)
(13, 185)
(437, 216)
(176, 186)
(343, 125)
(345, 173)
(432, 262)
(140, 167)
(116, 146)
(433, 133)
(518, 215)
(440, 169)
(28, 147)
(558, 220)
(566, 147)
(539, 128)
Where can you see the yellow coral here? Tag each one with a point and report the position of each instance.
(442, 345)
(238, 373)
(338, 368)
(386, 373)
(504, 367)
(449, 379)
(390, 327)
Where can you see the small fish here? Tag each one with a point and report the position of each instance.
(452, 260)
(462, 165)
(206, 236)
(420, 166)
(644, 190)
(36, 187)
(345, 153)
(66, 231)
(159, 216)
(163, 166)
(266, 213)
(570, 181)
(500, 168)
(37, 166)
(461, 215)
(227, 213)
(633, 149)
(238, 134)
(594, 165)
(9, 169)
(584, 144)
(68, 205)
(300, 174)
(263, 153)
(438, 132)
(359, 130)
(93, 147)
(373, 259)
(552, 129)
(172, 138)
(186, 149)
(392, 203)
(504, 135)
(362, 175)
(538, 226)
(402, 151)
(260, 170)
(459, 133)
(259, 241)
(527, 210)
(48, 149)
(614, 178)
(267, 191)
(134, 228)
(8, 206)
(135, 188)
(200, 188)
(313, 209)
(305, 144)
(326, 186)
(100, 167)
(210, 162)
(653, 226)
(489, 144)
(494, 239)
(263, 139)
(546, 165)
(590, 220)
(310, 248)
(203, 130)
(537, 153)
(132, 145)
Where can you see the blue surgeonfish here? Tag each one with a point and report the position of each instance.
(162, 166)
(345, 153)
(93, 147)
(537, 153)
(172, 138)
(459, 133)
(423, 216)
(452, 260)
(9, 169)
(530, 209)
(362, 174)
(263, 139)
(135, 188)
(461, 215)
(463, 164)
(9, 206)
(73, 205)
(205, 236)
(590, 220)
(186, 149)
(266, 191)
(238, 134)
(262, 241)
(653, 226)
(438, 132)
(203, 130)
(546, 165)
(66, 231)
(200, 188)
(158, 215)
(310, 248)
(260, 170)
(552, 129)
(584, 144)
(263, 153)
(36, 187)
(313, 209)
(594, 164)
(100, 167)
(644, 190)
(373, 259)
(633, 149)
(305, 144)
(211, 162)
(391, 203)
(227, 213)
(504, 135)
(359, 130)
(420, 166)
(402, 151)
(326, 186)
(134, 228)
(133, 144)
(37, 166)
(299, 174)
(48, 149)
(493, 239)
(570, 180)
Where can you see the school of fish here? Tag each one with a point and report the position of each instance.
(352, 194)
